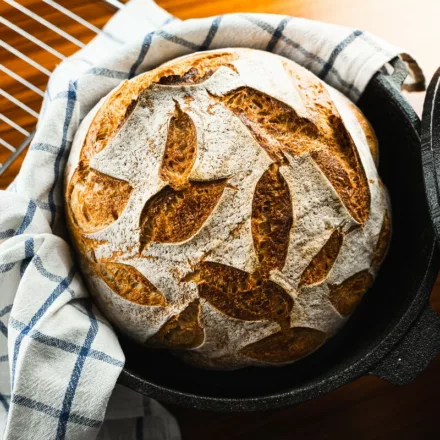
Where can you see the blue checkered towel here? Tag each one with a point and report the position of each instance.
(59, 358)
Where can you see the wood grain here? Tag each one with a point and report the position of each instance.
(366, 409)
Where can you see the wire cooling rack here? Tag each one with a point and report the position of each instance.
(35, 35)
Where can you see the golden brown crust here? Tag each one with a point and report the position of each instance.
(285, 346)
(174, 216)
(129, 283)
(202, 67)
(329, 142)
(272, 219)
(180, 150)
(241, 295)
(345, 181)
(322, 262)
(269, 119)
(83, 245)
(107, 201)
(96, 200)
(372, 141)
(347, 295)
(182, 331)
(113, 112)
(109, 118)
(178, 211)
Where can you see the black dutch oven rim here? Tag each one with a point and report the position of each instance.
(407, 348)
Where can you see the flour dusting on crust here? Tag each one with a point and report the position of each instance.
(233, 151)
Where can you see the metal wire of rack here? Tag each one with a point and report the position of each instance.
(55, 31)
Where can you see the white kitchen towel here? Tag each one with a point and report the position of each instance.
(59, 358)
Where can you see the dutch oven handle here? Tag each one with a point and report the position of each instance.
(422, 343)
(414, 352)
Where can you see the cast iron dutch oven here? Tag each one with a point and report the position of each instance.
(393, 334)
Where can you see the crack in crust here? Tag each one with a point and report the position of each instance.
(269, 119)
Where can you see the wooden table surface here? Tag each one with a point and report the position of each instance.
(366, 409)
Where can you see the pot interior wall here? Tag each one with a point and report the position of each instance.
(384, 306)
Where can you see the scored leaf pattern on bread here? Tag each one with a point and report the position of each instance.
(272, 219)
(279, 129)
(186, 149)
(179, 210)
(323, 261)
(99, 198)
(242, 295)
(180, 150)
(181, 331)
(286, 346)
(175, 216)
(347, 295)
(129, 283)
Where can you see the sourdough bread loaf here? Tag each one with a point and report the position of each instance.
(227, 205)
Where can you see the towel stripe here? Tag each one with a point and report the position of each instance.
(62, 286)
(336, 51)
(51, 411)
(75, 376)
(277, 34)
(27, 219)
(211, 33)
